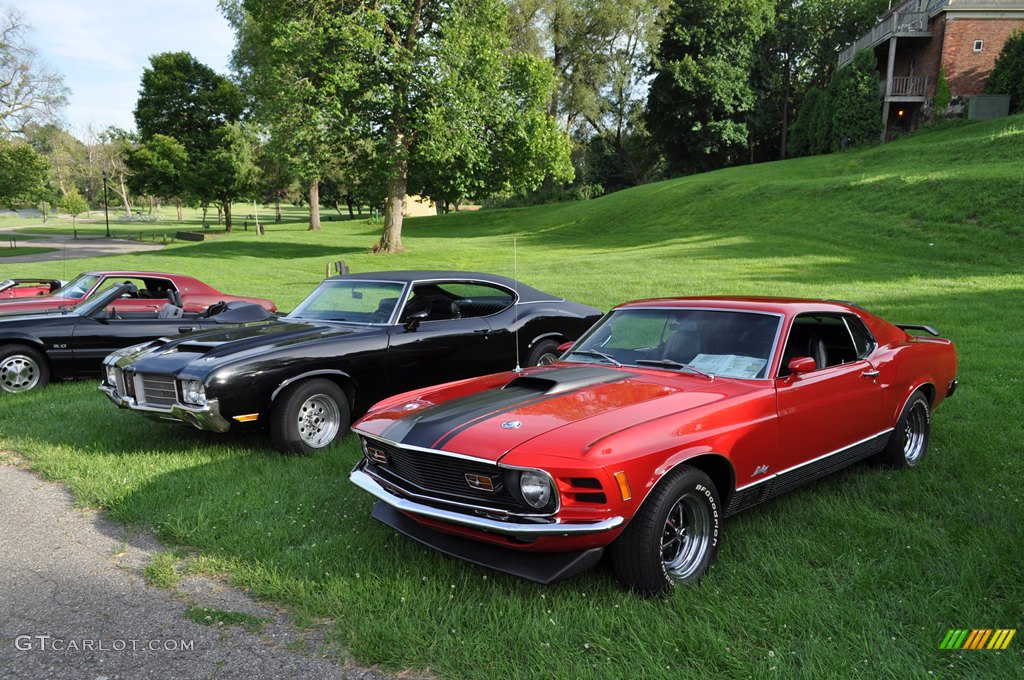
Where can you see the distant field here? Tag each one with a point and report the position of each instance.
(860, 575)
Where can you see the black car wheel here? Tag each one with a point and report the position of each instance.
(309, 416)
(22, 368)
(673, 538)
(908, 442)
(543, 353)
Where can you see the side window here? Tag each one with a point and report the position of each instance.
(863, 341)
(456, 300)
(824, 337)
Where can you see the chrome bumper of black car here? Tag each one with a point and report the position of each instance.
(202, 417)
(522, 530)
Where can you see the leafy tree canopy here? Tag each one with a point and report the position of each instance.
(22, 173)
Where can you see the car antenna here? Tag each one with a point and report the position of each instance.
(515, 289)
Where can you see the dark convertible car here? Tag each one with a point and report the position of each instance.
(355, 340)
(72, 342)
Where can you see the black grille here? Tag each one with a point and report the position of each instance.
(157, 390)
(442, 477)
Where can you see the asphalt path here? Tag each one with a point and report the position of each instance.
(69, 248)
(73, 604)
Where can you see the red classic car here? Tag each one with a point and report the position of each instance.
(23, 288)
(151, 296)
(666, 417)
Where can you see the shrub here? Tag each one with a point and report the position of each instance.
(1007, 75)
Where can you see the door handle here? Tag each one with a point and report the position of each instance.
(869, 374)
(186, 329)
(482, 331)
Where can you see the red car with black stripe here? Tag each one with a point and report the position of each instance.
(666, 417)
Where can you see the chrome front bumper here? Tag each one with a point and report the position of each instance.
(202, 417)
(525, 530)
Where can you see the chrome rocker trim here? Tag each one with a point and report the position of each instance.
(202, 417)
(518, 529)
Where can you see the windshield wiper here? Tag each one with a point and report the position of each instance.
(595, 353)
(668, 363)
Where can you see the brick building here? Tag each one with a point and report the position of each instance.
(917, 38)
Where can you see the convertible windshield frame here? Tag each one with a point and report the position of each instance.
(403, 292)
(767, 370)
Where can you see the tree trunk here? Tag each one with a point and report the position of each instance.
(227, 215)
(205, 208)
(220, 214)
(348, 202)
(785, 110)
(314, 204)
(277, 209)
(181, 218)
(394, 210)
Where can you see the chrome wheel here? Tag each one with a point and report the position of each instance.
(319, 421)
(915, 433)
(686, 536)
(19, 373)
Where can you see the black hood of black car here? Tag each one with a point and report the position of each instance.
(220, 346)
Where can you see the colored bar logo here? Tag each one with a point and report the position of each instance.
(978, 638)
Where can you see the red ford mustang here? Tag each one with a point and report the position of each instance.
(666, 417)
(151, 296)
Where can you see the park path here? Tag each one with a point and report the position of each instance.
(73, 604)
(69, 247)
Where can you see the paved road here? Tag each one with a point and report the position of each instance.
(70, 248)
(73, 604)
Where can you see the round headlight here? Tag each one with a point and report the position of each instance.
(535, 487)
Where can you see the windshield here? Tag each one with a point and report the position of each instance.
(352, 300)
(78, 287)
(714, 342)
(97, 301)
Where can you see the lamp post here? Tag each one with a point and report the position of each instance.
(106, 215)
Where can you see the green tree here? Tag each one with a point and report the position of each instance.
(1007, 75)
(185, 99)
(421, 83)
(188, 102)
(228, 172)
(22, 173)
(600, 51)
(856, 107)
(291, 61)
(157, 166)
(73, 204)
(701, 94)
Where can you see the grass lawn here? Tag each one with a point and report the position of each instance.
(859, 575)
(23, 250)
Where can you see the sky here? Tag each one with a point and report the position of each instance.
(102, 46)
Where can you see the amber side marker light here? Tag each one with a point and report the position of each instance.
(247, 418)
(624, 489)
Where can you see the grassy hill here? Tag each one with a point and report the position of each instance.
(858, 575)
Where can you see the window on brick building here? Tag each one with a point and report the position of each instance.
(979, 45)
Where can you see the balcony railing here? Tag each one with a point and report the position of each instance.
(896, 23)
(909, 86)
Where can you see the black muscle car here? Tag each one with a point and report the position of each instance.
(71, 342)
(355, 340)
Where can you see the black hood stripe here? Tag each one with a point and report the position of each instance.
(435, 426)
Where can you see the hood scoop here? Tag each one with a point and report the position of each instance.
(559, 380)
